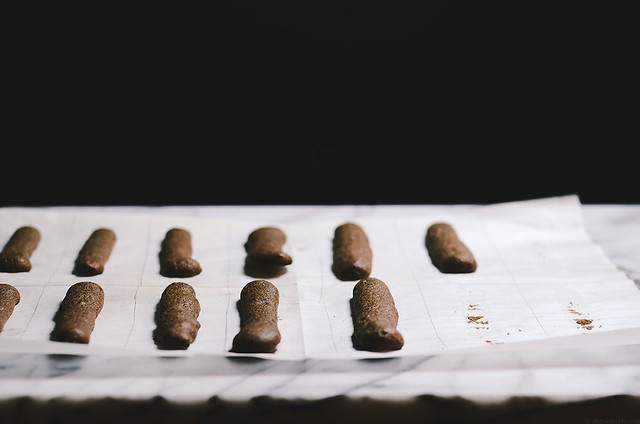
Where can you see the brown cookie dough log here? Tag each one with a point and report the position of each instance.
(9, 298)
(447, 252)
(16, 253)
(175, 255)
(265, 257)
(177, 317)
(259, 318)
(351, 253)
(375, 317)
(95, 253)
(77, 314)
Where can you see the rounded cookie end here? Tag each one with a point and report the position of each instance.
(384, 340)
(88, 269)
(256, 340)
(181, 268)
(15, 264)
(70, 335)
(458, 264)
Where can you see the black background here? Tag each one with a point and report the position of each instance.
(290, 102)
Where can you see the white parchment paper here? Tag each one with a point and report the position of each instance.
(539, 278)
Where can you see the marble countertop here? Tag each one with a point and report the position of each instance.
(555, 381)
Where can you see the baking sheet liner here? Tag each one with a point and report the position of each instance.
(539, 278)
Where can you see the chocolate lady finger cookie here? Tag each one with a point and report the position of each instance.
(9, 298)
(351, 253)
(95, 253)
(447, 252)
(375, 317)
(175, 255)
(259, 332)
(265, 257)
(16, 253)
(177, 317)
(77, 314)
